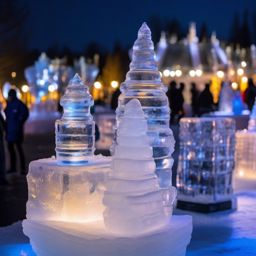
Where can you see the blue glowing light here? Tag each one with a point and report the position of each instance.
(16, 250)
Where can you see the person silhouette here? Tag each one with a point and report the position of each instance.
(176, 100)
(250, 94)
(16, 113)
(194, 99)
(205, 101)
(3, 180)
(114, 99)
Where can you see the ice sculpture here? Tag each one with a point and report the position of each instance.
(143, 82)
(252, 121)
(206, 164)
(226, 99)
(134, 216)
(133, 199)
(245, 175)
(75, 130)
(64, 209)
(59, 190)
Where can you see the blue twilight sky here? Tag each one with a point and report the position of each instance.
(75, 23)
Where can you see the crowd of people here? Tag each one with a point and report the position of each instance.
(16, 113)
(201, 101)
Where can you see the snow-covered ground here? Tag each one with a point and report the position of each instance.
(223, 233)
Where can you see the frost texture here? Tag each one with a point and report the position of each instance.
(143, 82)
(75, 131)
(133, 199)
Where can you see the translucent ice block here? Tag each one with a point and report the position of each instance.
(206, 161)
(246, 155)
(66, 193)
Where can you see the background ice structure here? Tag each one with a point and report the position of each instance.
(133, 198)
(226, 99)
(143, 82)
(245, 174)
(206, 163)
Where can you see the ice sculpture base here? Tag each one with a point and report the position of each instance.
(66, 193)
(91, 239)
(207, 207)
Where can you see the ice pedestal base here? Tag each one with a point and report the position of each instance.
(66, 193)
(91, 239)
(206, 206)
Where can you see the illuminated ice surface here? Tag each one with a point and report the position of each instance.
(133, 199)
(66, 193)
(230, 233)
(92, 239)
(245, 174)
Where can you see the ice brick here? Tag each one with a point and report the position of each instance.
(66, 193)
(206, 161)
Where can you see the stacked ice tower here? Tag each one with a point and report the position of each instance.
(133, 198)
(245, 154)
(143, 82)
(69, 188)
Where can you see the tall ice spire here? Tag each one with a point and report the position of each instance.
(143, 66)
(143, 82)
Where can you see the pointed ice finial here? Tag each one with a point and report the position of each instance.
(143, 65)
(162, 42)
(77, 99)
(76, 81)
(144, 31)
(192, 33)
(214, 39)
(133, 109)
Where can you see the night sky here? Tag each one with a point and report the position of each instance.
(75, 23)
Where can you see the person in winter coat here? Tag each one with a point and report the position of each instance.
(16, 113)
(3, 180)
(205, 101)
